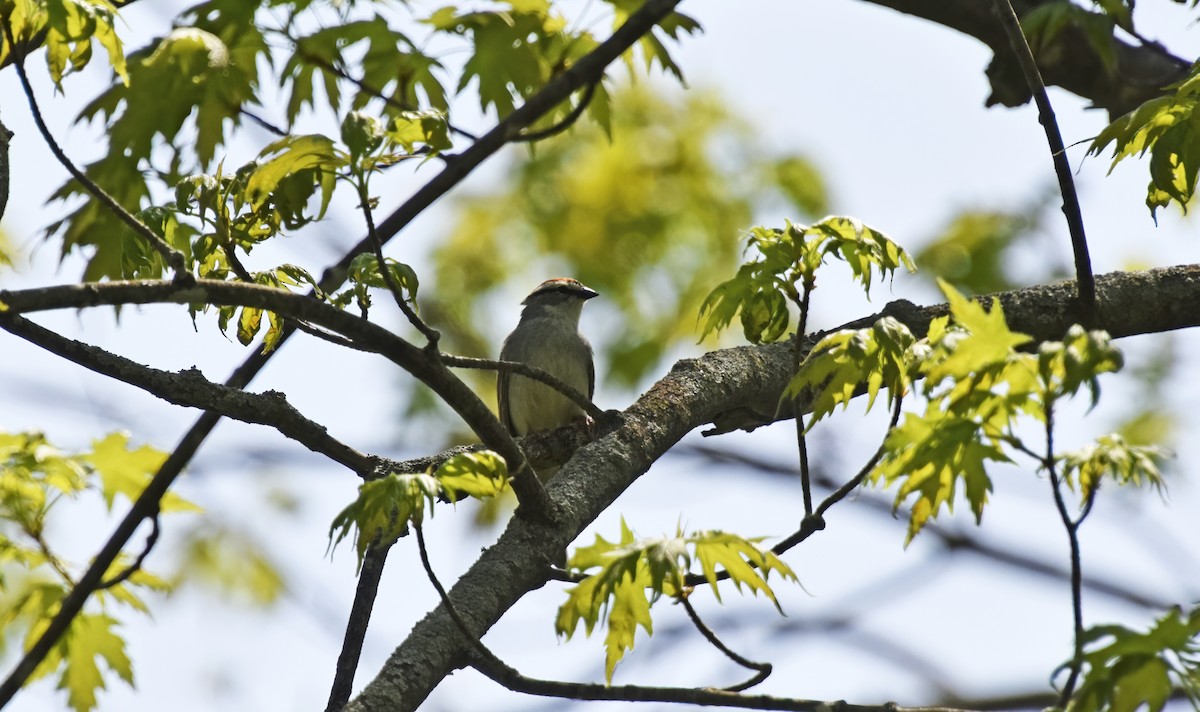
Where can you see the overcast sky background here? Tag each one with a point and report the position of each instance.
(891, 108)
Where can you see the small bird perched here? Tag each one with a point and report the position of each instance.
(547, 337)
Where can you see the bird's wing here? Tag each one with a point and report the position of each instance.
(591, 362)
(502, 401)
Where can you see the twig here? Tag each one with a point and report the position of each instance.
(528, 371)
(390, 101)
(261, 122)
(1062, 167)
(815, 522)
(802, 303)
(763, 669)
(588, 93)
(5, 137)
(356, 625)
(136, 566)
(1072, 526)
(170, 255)
(431, 335)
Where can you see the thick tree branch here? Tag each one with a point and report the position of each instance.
(204, 291)
(698, 391)
(1139, 73)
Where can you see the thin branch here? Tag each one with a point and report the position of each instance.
(170, 255)
(802, 303)
(763, 669)
(1062, 167)
(588, 93)
(272, 128)
(151, 540)
(356, 625)
(363, 86)
(815, 522)
(840, 493)
(431, 335)
(5, 138)
(1072, 526)
(537, 374)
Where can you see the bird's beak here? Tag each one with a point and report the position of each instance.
(588, 293)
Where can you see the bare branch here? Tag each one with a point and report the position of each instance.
(191, 389)
(1058, 152)
(356, 625)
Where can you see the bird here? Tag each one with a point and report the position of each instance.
(547, 337)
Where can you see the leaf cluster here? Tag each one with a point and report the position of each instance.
(784, 265)
(633, 574)
(386, 505)
(35, 477)
(1168, 128)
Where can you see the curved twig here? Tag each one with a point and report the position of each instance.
(588, 93)
(1085, 281)
(763, 669)
(432, 336)
(528, 371)
(151, 540)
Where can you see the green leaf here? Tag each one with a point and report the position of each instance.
(845, 362)
(127, 471)
(383, 510)
(633, 574)
(413, 130)
(475, 474)
(362, 133)
(70, 26)
(1111, 456)
(385, 506)
(1125, 669)
(747, 563)
(1168, 127)
(930, 455)
(1076, 361)
(288, 157)
(364, 272)
(90, 636)
(986, 343)
(865, 249)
